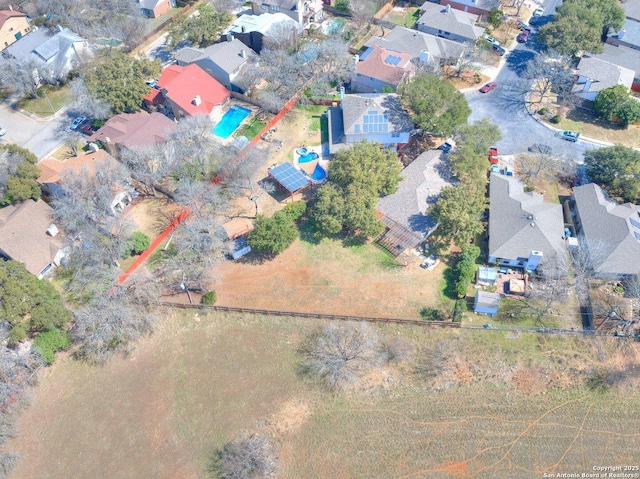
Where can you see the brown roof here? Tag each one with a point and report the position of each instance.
(7, 14)
(383, 64)
(52, 169)
(23, 234)
(135, 130)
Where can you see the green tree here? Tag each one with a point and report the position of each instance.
(295, 210)
(119, 80)
(469, 159)
(434, 104)
(458, 212)
(27, 303)
(617, 169)
(139, 242)
(209, 297)
(495, 17)
(328, 210)
(200, 30)
(21, 175)
(615, 104)
(273, 235)
(50, 341)
(580, 25)
(465, 268)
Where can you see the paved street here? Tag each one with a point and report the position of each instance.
(504, 106)
(41, 137)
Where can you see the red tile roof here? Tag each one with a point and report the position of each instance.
(376, 66)
(182, 85)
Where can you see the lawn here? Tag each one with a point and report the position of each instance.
(495, 405)
(251, 129)
(50, 100)
(405, 17)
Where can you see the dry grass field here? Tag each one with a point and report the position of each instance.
(497, 405)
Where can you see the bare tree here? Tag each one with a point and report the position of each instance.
(247, 457)
(544, 166)
(340, 355)
(517, 4)
(86, 104)
(548, 73)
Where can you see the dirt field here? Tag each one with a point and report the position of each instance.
(499, 406)
(332, 279)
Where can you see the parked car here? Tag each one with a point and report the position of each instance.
(2, 131)
(522, 25)
(445, 147)
(569, 135)
(77, 122)
(87, 128)
(538, 12)
(524, 36)
(493, 155)
(499, 50)
(491, 40)
(540, 148)
(488, 87)
(495, 169)
(430, 263)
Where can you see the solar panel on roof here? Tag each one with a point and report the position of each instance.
(289, 177)
(637, 235)
(373, 112)
(635, 223)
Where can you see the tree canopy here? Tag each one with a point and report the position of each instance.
(434, 104)
(615, 104)
(617, 169)
(273, 235)
(119, 80)
(201, 29)
(469, 159)
(18, 175)
(27, 303)
(358, 176)
(580, 25)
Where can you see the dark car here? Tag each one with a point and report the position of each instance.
(524, 36)
(488, 87)
(87, 128)
(445, 147)
(499, 50)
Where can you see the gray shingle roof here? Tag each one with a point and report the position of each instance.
(631, 8)
(455, 21)
(420, 185)
(522, 222)
(609, 231)
(226, 55)
(603, 74)
(631, 29)
(356, 106)
(623, 56)
(413, 42)
(21, 50)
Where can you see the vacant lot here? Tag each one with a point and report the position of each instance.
(497, 406)
(330, 278)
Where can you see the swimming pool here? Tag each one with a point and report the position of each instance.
(307, 157)
(319, 173)
(230, 121)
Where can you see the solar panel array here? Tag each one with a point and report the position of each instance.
(392, 59)
(289, 177)
(373, 122)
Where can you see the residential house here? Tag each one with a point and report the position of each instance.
(28, 235)
(155, 8)
(447, 22)
(486, 303)
(379, 67)
(187, 91)
(134, 131)
(52, 172)
(225, 61)
(406, 211)
(625, 57)
(523, 228)
(13, 25)
(375, 117)
(594, 75)
(610, 231)
(629, 34)
(304, 12)
(255, 30)
(477, 7)
(422, 47)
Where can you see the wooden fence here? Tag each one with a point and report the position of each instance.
(299, 314)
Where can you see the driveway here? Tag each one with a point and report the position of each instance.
(505, 107)
(42, 137)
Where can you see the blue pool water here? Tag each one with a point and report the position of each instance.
(230, 121)
(319, 173)
(311, 156)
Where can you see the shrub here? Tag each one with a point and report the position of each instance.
(209, 297)
(50, 341)
(556, 119)
(543, 111)
(387, 89)
(432, 314)
(495, 17)
(295, 210)
(139, 242)
(477, 78)
(459, 308)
